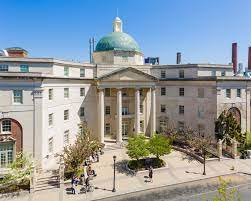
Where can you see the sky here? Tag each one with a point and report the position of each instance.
(202, 30)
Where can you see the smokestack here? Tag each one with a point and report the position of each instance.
(178, 58)
(234, 57)
(249, 58)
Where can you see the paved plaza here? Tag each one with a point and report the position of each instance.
(180, 168)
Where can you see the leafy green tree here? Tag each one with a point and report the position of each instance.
(224, 194)
(159, 145)
(227, 127)
(137, 147)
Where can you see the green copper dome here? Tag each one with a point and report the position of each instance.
(117, 41)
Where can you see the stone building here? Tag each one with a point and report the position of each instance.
(44, 99)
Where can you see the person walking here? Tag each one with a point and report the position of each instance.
(150, 174)
(73, 184)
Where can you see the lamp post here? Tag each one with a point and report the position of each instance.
(114, 168)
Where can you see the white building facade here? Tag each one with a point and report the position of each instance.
(43, 100)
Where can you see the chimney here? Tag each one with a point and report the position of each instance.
(249, 58)
(178, 58)
(234, 57)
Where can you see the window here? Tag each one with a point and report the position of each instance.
(66, 114)
(181, 125)
(6, 154)
(24, 68)
(239, 93)
(6, 126)
(201, 128)
(66, 137)
(181, 109)
(66, 92)
(18, 96)
(163, 91)
(82, 112)
(200, 112)
(141, 92)
(200, 92)
(142, 126)
(4, 68)
(163, 108)
(228, 93)
(141, 108)
(50, 145)
(125, 111)
(107, 92)
(163, 74)
(181, 74)
(50, 94)
(223, 73)
(66, 71)
(181, 91)
(124, 92)
(107, 110)
(162, 125)
(51, 119)
(82, 72)
(107, 129)
(82, 91)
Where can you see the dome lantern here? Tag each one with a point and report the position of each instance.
(117, 25)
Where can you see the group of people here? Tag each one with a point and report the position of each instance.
(84, 179)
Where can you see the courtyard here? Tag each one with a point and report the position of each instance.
(180, 169)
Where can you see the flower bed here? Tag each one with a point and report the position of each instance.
(144, 164)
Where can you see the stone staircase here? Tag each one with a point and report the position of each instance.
(47, 180)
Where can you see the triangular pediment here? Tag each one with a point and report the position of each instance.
(127, 74)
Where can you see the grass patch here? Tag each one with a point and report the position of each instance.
(143, 164)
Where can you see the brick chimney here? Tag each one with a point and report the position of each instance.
(249, 58)
(234, 57)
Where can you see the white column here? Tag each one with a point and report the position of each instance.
(153, 111)
(137, 111)
(119, 116)
(101, 115)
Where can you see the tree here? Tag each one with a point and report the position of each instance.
(201, 142)
(137, 147)
(159, 145)
(224, 194)
(226, 127)
(84, 146)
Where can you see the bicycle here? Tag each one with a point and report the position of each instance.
(85, 189)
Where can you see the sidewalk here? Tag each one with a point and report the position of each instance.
(180, 169)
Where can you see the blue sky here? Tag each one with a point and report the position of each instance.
(202, 30)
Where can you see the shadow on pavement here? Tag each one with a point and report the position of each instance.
(104, 189)
(121, 167)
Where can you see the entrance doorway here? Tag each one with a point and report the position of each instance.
(125, 129)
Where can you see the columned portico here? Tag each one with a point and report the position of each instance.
(119, 116)
(137, 111)
(101, 115)
(153, 111)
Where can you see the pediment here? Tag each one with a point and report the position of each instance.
(127, 74)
